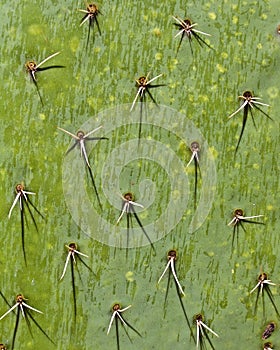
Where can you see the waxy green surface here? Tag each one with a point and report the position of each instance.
(137, 38)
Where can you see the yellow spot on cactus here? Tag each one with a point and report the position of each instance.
(237, 166)
(156, 31)
(234, 19)
(220, 68)
(269, 207)
(256, 166)
(49, 246)
(203, 98)
(42, 116)
(144, 214)
(176, 194)
(129, 276)
(158, 56)
(259, 46)
(224, 55)
(172, 64)
(212, 15)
